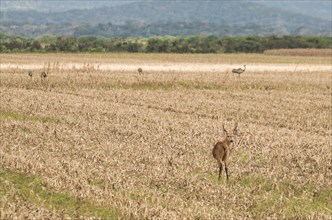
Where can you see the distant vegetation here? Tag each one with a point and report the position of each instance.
(166, 44)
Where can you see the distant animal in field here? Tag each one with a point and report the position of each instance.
(30, 74)
(43, 75)
(239, 70)
(222, 149)
(140, 71)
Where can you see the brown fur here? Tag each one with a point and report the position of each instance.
(221, 150)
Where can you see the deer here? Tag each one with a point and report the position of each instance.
(221, 150)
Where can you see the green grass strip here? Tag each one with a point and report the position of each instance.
(288, 197)
(32, 190)
(20, 117)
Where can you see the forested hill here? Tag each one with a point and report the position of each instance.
(149, 18)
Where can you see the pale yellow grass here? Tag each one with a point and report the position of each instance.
(119, 58)
(142, 144)
(312, 52)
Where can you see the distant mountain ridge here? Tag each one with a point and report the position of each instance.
(317, 8)
(56, 6)
(314, 8)
(257, 18)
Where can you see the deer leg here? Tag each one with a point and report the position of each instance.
(226, 169)
(220, 170)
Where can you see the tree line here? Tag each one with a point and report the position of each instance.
(162, 44)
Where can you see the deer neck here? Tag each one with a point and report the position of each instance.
(226, 142)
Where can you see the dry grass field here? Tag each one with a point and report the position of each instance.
(96, 140)
(300, 52)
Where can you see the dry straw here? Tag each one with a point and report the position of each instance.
(99, 144)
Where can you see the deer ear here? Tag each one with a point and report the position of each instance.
(223, 127)
(235, 128)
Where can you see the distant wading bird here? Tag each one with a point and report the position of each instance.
(239, 70)
(30, 74)
(43, 75)
(221, 150)
(140, 71)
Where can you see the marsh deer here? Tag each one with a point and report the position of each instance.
(221, 150)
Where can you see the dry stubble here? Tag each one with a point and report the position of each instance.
(141, 147)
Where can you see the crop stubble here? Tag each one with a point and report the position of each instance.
(141, 146)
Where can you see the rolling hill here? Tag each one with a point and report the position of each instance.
(149, 18)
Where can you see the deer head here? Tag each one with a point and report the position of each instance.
(230, 133)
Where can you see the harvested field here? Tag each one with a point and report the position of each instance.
(96, 140)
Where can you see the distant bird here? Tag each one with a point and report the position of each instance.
(30, 74)
(239, 70)
(140, 71)
(43, 74)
